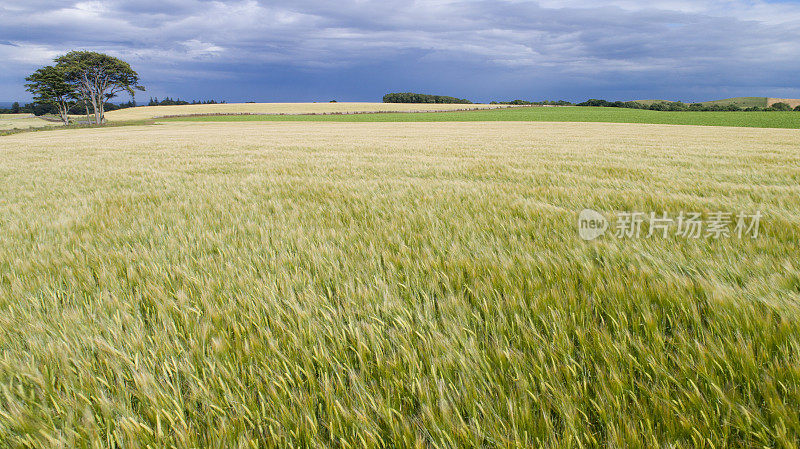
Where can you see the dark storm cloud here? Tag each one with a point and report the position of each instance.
(357, 49)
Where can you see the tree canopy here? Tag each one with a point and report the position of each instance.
(85, 77)
(49, 86)
(409, 97)
(98, 77)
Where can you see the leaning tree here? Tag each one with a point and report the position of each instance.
(97, 78)
(49, 86)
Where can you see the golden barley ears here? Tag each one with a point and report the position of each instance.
(394, 285)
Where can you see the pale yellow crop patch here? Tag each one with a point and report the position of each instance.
(147, 112)
(22, 121)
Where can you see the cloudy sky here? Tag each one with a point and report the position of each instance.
(357, 50)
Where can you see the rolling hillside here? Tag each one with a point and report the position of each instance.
(792, 102)
(747, 102)
(742, 102)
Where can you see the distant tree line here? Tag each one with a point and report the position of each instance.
(408, 97)
(15, 109)
(680, 106)
(534, 103)
(654, 106)
(40, 109)
(46, 108)
(170, 102)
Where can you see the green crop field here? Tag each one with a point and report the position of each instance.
(318, 284)
(545, 114)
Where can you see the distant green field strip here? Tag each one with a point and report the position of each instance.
(539, 114)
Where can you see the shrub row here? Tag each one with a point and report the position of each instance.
(534, 103)
(680, 106)
(409, 97)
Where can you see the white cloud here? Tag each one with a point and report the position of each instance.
(25, 54)
(196, 48)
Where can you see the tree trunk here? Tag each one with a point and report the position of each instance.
(98, 114)
(63, 110)
(88, 117)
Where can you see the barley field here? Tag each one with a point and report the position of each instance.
(148, 112)
(318, 284)
(22, 121)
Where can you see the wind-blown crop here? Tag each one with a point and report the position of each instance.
(394, 285)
